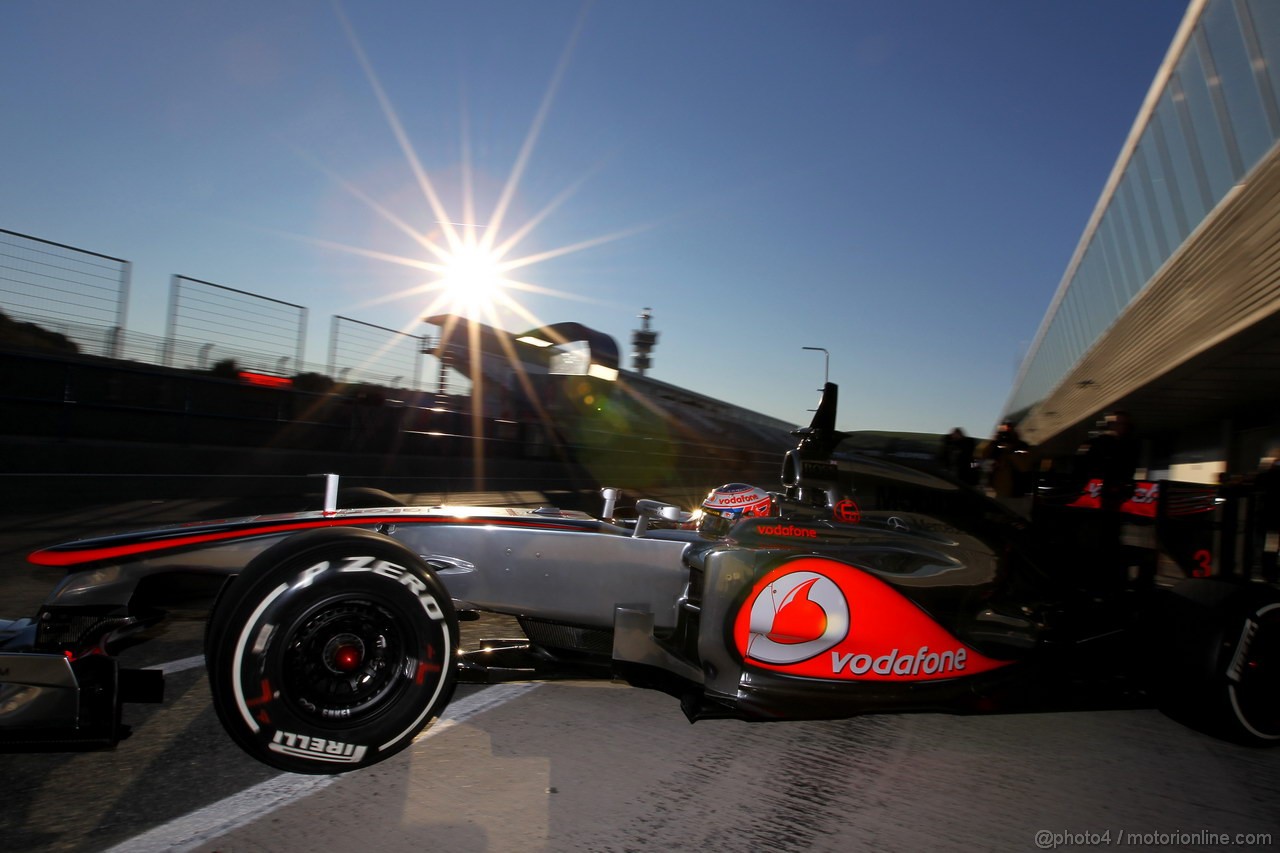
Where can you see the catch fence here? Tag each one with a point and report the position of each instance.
(210, 323)
(363, 352)
(63, 290)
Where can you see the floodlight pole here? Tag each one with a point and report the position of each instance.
(826, 371)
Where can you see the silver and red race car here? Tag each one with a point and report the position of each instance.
(861, 585)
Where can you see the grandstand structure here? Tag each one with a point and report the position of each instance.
(1170, 306)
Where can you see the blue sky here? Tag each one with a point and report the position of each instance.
(901, 183)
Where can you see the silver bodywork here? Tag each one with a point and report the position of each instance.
(544, 564)
(557, 575)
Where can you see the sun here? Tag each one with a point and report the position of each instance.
(472, 280)
(473, 264)
(473, 273)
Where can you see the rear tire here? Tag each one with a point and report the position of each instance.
(1222, 673)
(331, 651)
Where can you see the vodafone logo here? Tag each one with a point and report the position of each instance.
(787, 530)
(737, 500)
(815, 617)
(795, 617)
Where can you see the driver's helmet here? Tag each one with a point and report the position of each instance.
(725, 505)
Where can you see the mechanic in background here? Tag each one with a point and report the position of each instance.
(1110, 456)
(956, 457)
(1266, 525)
(1007, 462)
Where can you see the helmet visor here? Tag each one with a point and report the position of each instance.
(715, 524)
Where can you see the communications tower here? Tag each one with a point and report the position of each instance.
(643, 340)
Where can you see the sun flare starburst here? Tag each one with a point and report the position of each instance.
(472, 280)
(469, 264)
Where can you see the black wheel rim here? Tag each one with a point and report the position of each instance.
(344, 661)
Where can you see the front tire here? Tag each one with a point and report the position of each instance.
(331, 651)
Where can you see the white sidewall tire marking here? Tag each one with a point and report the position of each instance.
(446, 660)
(1235, 704)
(238, 656)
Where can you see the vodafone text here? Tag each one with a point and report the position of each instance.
(734, 500)
(893, 663)
(787, 530)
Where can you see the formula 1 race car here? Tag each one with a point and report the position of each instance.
(862, 585)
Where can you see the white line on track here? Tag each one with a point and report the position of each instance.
(231, 813)
(181, 664)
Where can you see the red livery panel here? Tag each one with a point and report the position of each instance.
(819, 618)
